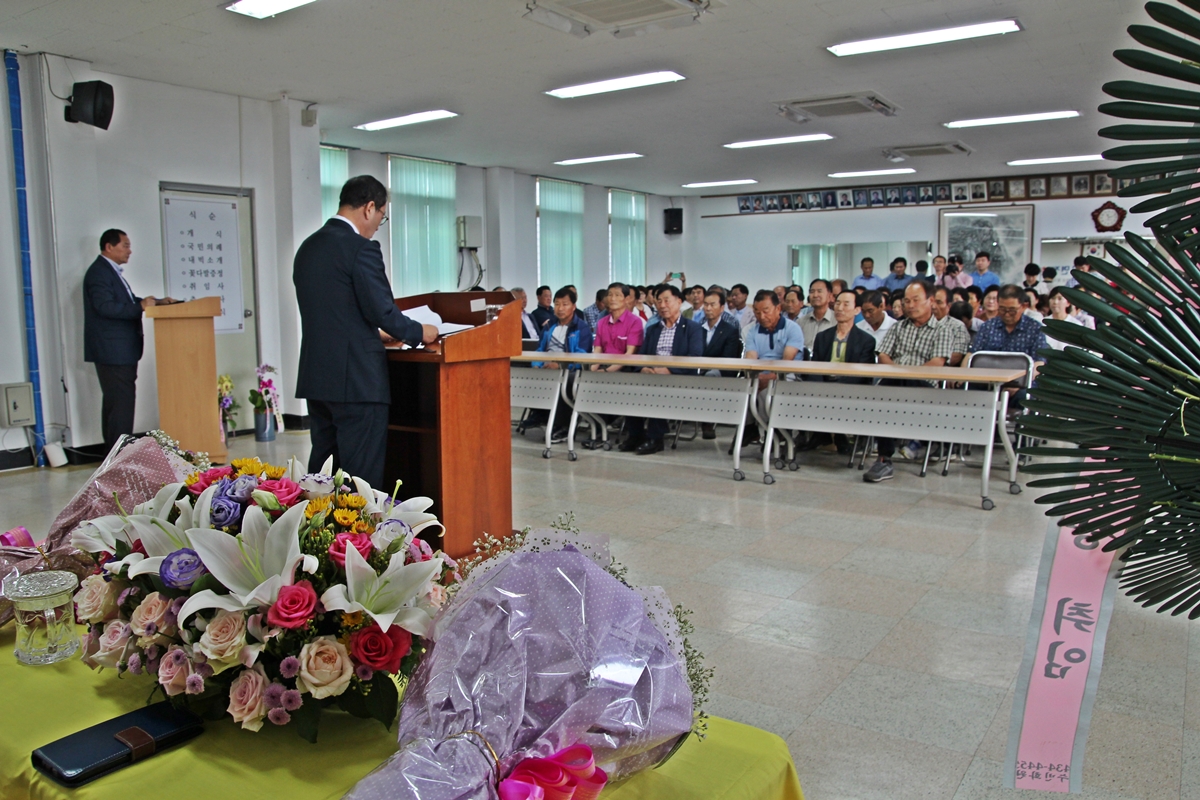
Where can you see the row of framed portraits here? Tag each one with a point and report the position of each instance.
(1085, 184)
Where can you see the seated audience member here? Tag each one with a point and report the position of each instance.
(722, 339)
(594, 312)
(639, 304)
(568, 332)
(961, 335)
(919, 339)
(820, 296)
(793, 305)
(845, 343)
(780, 291)
(545, 308)
(1033, 277)
(671, 335)
(961, 311)
(695, 307)
(922, 270)
(727, 315)
(620, 332)
(1030, 300)
(736, 300)
(897, 311)
(839, 286)
(868, 280)
(897, 280)
(771, 337)
(529, 327)
(990, 307)
(876, 321)
(939, 270)
(1061, 310)
(1080, 263)
(1011, 331)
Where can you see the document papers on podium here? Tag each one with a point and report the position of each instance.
(427, 316)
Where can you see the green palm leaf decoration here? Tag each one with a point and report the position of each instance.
(1127, 394)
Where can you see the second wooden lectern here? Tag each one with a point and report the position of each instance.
(185, 353)
(449, 426)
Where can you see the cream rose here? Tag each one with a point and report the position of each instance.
(110, 647)
(223, 640)
(96, 600)
(151, 611)
(246, 704)
(325, 668)
(173, 671)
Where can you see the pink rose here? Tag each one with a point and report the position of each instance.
(286, 491)
(173, 671)
(246, 704)
(96, 600)
(208, 478)
(325, 668)
(294, 607)
(223, 640)
(360, 541)
(152, 611)
(110, 647)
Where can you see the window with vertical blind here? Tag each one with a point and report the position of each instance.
(559, 233)
(626, 237)
(423, 225)
(335, 171)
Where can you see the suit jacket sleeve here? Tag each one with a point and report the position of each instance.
(108, 298)
(733, 344)
(862, 347)
(689, 341)
(374, 295)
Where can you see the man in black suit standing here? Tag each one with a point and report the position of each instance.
(112, 333)
(671, 335)
(721, 340)
(345, 301)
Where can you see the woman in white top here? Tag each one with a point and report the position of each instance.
(1062, 310)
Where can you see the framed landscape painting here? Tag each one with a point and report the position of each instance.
(1004, 231)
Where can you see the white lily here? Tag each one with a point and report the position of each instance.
(160, 505)
(252, 565)
(147, 524)
(412, 513)
(390, 598)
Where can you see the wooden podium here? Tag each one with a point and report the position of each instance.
(185, 353)
(449, 426)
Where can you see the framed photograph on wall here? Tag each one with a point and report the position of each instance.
(1037, 187)
(772, 202)
(958, 192)
(979, 191)
(785, 202)
(876, 197)
(798, 203)
(845, 199)
(860, 198)
(1004, 231)
(1058, 186)
(829, 199)
(925, 194)
(744, 206)
(1102, 184)
(1081, 184)
(812, 200)
(942, 192)
(1016, 189)
(892, 195)
(996, 190)
(756, 204)
(908, 195)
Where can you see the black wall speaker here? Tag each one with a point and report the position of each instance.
(91, 103)
(672, 220)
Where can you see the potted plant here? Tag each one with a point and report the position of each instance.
(228, 405)
(267, 417)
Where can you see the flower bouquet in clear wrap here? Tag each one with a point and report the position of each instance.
(545, 659)
(265, 593)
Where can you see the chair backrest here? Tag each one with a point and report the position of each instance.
(996, 359)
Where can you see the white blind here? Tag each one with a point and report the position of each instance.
(424, 236)
(335, 171)
(627, 237)
(560, 233)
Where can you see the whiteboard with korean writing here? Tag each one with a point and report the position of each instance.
(202, 254)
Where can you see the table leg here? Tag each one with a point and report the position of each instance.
(551, 414)
(571, 454)
(1001, 427)
(738, 475)
(987, 503)
(769, 435)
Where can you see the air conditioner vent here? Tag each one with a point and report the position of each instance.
(839, 106)
(939, 149)
(616, 14)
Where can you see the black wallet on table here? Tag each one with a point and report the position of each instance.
(84, 756)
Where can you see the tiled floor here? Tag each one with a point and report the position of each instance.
(878, 629)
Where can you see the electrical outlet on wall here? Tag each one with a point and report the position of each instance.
(18, 405)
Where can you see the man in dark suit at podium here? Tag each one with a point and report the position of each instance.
(345, 301)
(112, 333)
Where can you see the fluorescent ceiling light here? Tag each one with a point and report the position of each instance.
(593, 159)
(616, 84)
(809, 137)
(409, 119)
(261, 9)
(978, 123)
(967, 214)
(872, 172)
(706, 184)
(1032, 162)
(926, 37)
(1053, 241)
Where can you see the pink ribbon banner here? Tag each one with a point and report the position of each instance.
(1064, 650)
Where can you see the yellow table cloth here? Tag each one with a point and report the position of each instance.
(41, 704)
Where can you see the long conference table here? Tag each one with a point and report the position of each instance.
(934, 413)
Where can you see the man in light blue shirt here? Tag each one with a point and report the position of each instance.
(771, 337)
(868, 280)
(897, 280)
(983, 277)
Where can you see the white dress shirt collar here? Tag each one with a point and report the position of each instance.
(348, 222)
(120, 274)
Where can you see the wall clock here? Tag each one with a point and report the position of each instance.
(1108, 217)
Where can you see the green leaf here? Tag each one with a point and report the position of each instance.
(383, 701)
(355, 702)
(306, 718)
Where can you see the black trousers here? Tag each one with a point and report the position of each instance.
(652, 429)
(118, 385)
(355, 434)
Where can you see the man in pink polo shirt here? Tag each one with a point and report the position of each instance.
(620, 332)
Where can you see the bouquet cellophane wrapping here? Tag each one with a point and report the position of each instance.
(134, 472)
(537, 652)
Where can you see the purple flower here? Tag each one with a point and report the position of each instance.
(195, 684)
(135, 664)
(273, 695)
(181, 569)
(364, 672)
(150, 628)
(279, 716)
(125, 594)
(289, 667)
(171, 618)
(152, 666)
(177, 657)
(203, 670)
(225, 512)
(152, 652)
(292, 700)
(240, 488)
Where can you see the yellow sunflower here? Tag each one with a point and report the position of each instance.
(362, 526)
(316, 506)
(346, 500)
(345, 516)
(273, 472)
(247, 466)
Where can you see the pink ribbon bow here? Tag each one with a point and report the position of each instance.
(17, 537)
(569, 774)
